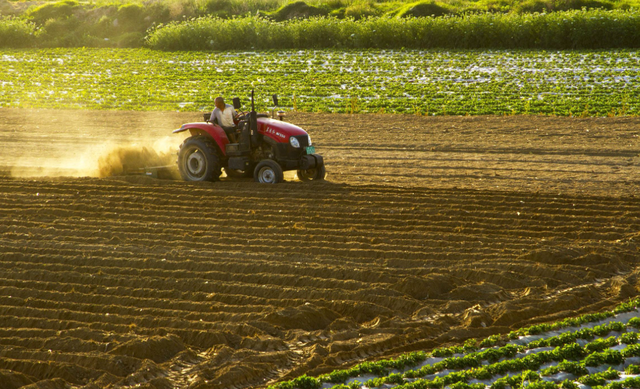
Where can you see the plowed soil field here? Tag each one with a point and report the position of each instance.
(428, 231)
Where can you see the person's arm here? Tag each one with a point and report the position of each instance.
(215, 116)
(234, 115)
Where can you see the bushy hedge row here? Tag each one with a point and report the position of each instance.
(583, 29)
(60, 24)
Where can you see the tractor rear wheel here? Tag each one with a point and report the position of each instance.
(316, 173)
(268, 172)
(198, 160)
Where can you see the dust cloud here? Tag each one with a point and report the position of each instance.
(130, 159)
(72, 143)
(110, 159)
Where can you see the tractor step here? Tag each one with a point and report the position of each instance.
(151, 171)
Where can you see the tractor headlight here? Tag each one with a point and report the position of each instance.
(294, 142)
(309, 139)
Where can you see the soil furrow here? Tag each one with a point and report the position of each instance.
(428, 231)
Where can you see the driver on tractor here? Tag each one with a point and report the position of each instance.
(225, 116)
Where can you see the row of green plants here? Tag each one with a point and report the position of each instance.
(471, 365)
(513, 381)
(493, 355)
(528, 379)
(67, 24)
(535, 329)
(516, 381)
(565, 355)
(572, 359)
(433, 82)
(578, 29)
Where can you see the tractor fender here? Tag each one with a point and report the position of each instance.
(213, 131)
(311, 161)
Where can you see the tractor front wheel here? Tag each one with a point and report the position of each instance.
(268, 172)
(198, 160)
(316, 173)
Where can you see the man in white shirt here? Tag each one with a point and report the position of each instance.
(224, 115)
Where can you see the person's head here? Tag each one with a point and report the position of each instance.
(219, 102)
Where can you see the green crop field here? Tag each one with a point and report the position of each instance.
(589, 83)
(597, 350)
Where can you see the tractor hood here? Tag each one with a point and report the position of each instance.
(279, 130)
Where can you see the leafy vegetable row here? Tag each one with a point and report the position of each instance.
(475, 359)
(594, 354)
(533, 362)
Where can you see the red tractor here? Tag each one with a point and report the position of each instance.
(266, 147)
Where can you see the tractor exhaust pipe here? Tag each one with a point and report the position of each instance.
(253, 121)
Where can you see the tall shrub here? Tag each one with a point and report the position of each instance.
(17, 33)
